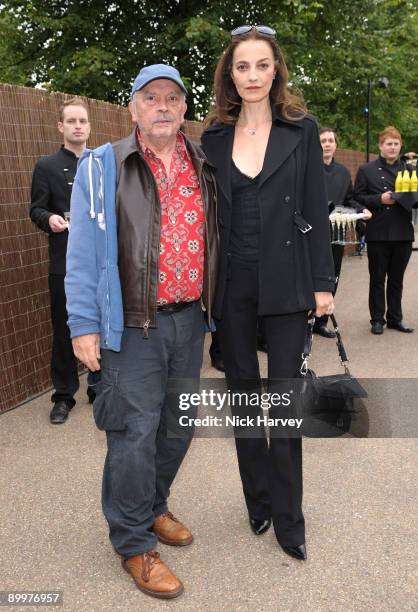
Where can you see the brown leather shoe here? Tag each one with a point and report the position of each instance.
(170, 531)
(152, 576)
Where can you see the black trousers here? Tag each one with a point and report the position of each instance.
(215, 349)
(271, 474)
(63, 362)
(387, 261)
(338, 254)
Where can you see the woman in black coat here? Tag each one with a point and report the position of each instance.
(276, 257)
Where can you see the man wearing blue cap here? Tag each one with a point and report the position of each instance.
(141, 263)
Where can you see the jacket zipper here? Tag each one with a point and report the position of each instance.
(206, 212)
(101, 197)
(93, 215)
(147, 296)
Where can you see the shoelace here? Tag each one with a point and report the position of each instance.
(150, 558)
(170, 516)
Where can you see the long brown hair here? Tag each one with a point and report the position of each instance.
(227, 103)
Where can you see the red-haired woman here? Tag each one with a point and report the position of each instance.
(276, 257)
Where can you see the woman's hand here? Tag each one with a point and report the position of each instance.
(324, 303)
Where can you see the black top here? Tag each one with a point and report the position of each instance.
(391, 222)
(52, 183)
(245, 220)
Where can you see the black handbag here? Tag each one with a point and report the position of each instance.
(331, 404)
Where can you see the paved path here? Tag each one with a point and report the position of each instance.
(360, 501)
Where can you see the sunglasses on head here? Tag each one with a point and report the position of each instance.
(261, 29)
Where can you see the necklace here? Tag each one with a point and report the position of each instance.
(252, 130)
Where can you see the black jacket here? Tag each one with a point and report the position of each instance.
(339, 187)
(388, 222)
(52, 182)
(292, 265)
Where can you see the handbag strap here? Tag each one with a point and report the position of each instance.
(341, 349)
(307, 350)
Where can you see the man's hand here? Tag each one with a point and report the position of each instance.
(324, 303)
(87, 350)
(386, 198)
(57, 223)
(366, 214)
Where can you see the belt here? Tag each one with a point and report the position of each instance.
(174, 307)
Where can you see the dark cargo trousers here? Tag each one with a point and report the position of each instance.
(133, 407)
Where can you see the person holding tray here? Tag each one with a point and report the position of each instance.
(389, 234)
(340, 193)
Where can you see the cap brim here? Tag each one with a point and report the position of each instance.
(157, 78)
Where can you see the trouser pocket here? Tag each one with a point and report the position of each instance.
(109, 407)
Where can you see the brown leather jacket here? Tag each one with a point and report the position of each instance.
(138, 212)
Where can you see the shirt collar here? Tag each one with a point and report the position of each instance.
(180, 147)
(383, 161)
(68, 152)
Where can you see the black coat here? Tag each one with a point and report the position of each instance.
(52, 183)
(292, 265)
(388, 222)
(339, 187)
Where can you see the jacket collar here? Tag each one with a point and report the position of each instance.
(382, 162)
(129, 146)
(279, 119)
(69, 153)
(284, 137)
(218, 142)
(330, 167)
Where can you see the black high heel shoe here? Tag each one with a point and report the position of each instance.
(258, 527)
(298, 552)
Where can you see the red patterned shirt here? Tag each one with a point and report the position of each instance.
(182, 225)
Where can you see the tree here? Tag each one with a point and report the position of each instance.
(96, 47)
(333, 58)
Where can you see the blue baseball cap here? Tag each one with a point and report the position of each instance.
(157, 71)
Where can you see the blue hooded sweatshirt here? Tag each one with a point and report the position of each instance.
(92, 283)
